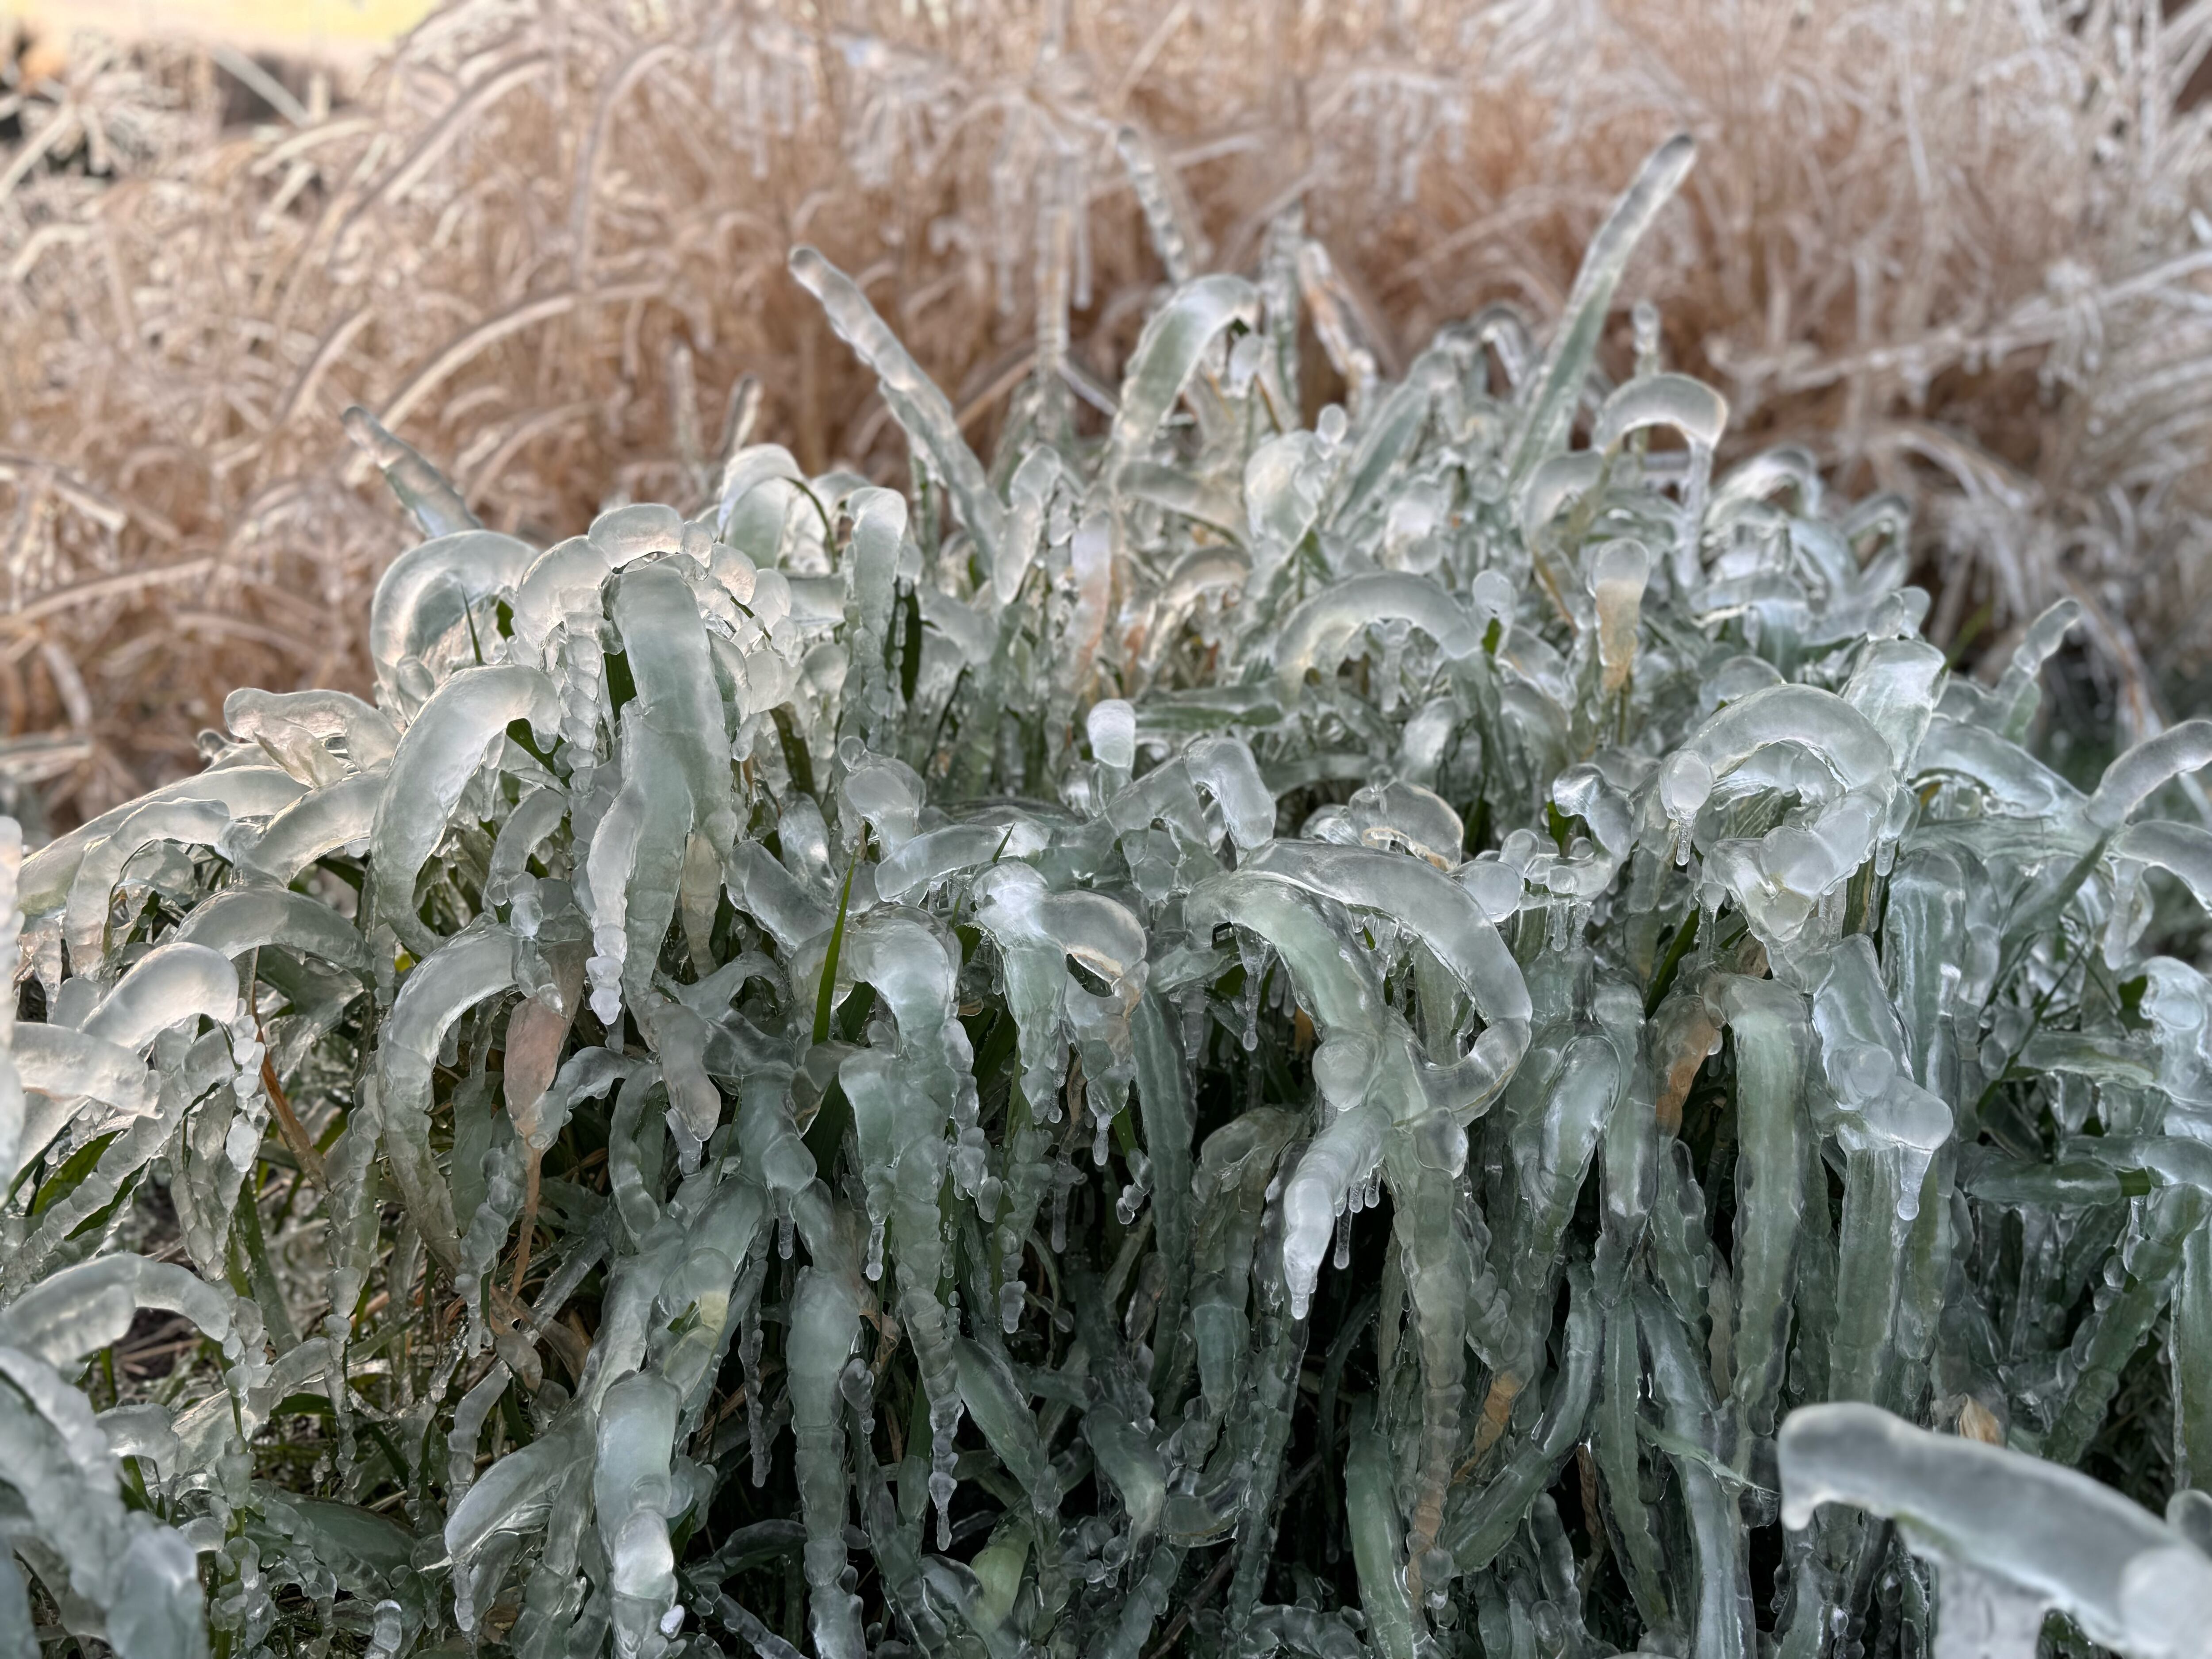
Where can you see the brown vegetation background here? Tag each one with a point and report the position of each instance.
(1959, 247)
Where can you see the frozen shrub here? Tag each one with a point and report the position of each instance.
(1436, 1032)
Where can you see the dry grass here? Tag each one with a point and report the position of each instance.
(1955, 247)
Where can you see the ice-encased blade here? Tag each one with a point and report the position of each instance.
(630, 1498)
(170, 984)
(1319, 634)
(429, 590)
(63, 1070)
(1168, 353)
(421, 488)
(81, 1310)
(437, 991)
(297, 727)
(244, 792)
(665, 643)
(1773, 1036)
(84, 927)
(246, 919)
(825, 1324)
(1378, 1546)
(1559, 382)
(2050, 1535)
(913, 398)
(337, 817)
(2152, 763)
(439, 753)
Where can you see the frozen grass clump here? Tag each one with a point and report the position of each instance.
(1439, 1032)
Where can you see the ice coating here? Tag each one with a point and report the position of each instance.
(438, 990)
(561, 589)
(1773, 1036)
(931, 857)
(913, 398)
(1895, 686)
(748, 467)
(623, 535)
(1339, 1157)
(437, 587)
(2011, 780)
(81, 1310)
(440, 750)
(1111, 726)
(2183, 850)
(1176, 336)
(85, 923)
(168, 985)
(1618, 574)
(244, 791)
(666, 645)
(61, 1070)
(1225, 768)
(1041, 934)
(1439, 911)
(1398, 815)
(246, 919)
(1803, 715)
(2053, 1538)
(1285, 484)
(826, 1326)
(633, 871)
(334, 817)
(630, 1498)
(1690, 406)
(2151, 763)
(295, 728)
(1823, 749)
(1863, 1057)
(1559, 380)
(1555, 1113)
(872, 565)
(1320, 633)
(437, 506)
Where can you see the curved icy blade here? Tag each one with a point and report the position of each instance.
(913, 397)
(421, 488)
(1581, 319)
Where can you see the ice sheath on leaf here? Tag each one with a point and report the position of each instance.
(1204, 1036)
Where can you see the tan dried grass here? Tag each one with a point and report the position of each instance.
(1958, 249)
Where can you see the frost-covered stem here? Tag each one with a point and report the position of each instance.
(1616, 1445)
(918, 1239)
(1722, 1627)
(2190, 1351)
(1485, 1523)
(1869, 1265)
(2150, 1253)
(1437, 1271)
(825, 1322)
(1371, 1508)
(1773, 1038)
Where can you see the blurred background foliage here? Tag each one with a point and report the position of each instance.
(1962, 250)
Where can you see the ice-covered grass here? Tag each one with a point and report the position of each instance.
(1439, 1032)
